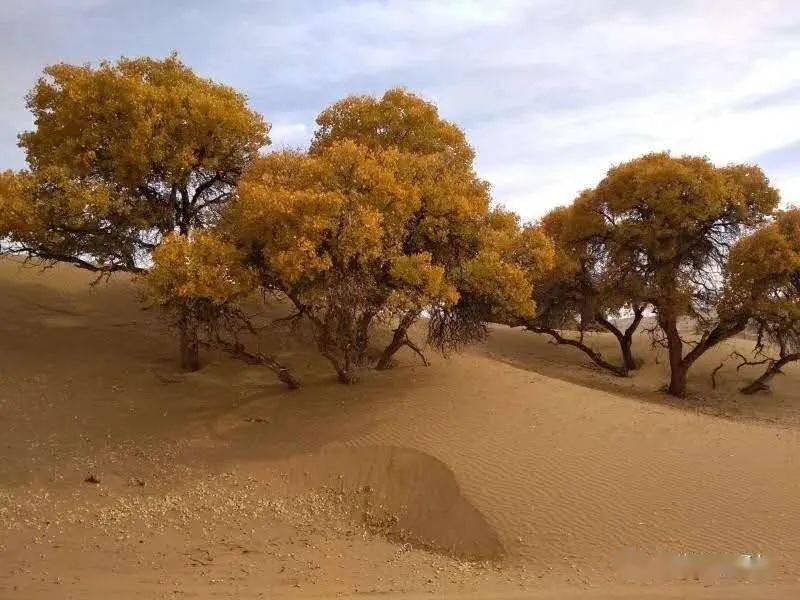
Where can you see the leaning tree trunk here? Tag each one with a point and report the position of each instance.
(596, 357)
(762, 383)
(237, 350)
(345, 370)
(400, 339)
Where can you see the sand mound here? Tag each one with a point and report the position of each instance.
(405, 494)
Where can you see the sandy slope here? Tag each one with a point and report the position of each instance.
(471, 477)
(537, 353)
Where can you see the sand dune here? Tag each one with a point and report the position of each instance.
(513, 470)
(536, 353)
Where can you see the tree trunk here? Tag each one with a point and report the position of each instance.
(626, 345)
(762, 383)
(189, 346)
(399, 340)
(678, 368)
(343, 367)
(625, 338)
(187, 334)
(345, 372)
(283, 372)
(679, 364)
(596, 357)
(677, 379)
(340, 358)
(347, 377)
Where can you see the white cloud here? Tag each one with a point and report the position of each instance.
(550, 92)
(289, 135)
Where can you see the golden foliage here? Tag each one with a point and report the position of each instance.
(382, 219)
(533, 252)
(399, 119)
(49, 215)
(139, 121)
(512, 259)
(121, 154)
(198, 267)
(671, 222)
(14, 214)
(672, 219)
(764, 272)
(344, 210)
(583, 285)
(416, 278)
(500, 285)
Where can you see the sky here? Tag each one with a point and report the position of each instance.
(550, 93)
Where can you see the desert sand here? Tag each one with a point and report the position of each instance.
(512, 470)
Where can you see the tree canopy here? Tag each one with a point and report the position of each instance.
(203, 280)
(765, 284)
(152, 130)
(672, 223)
(120, 155)
(343, 234)
(399, 119)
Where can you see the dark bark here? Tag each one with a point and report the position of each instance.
(188, 343)
(596, 357)
(678, 373)
(49, 258)
(184, 212)
(679, 364)
(343, 367)
(626, 346)
(257, 358)
(625, 338)
(774, 368)
(677, 368)
(361, 337)
(400, 339)
(345, 358)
